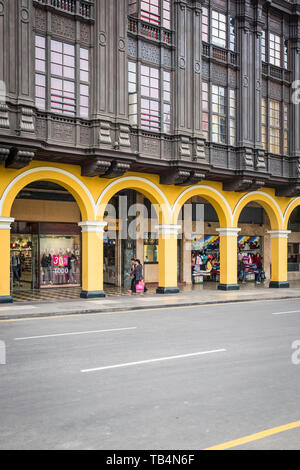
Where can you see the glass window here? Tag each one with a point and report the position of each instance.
(84, 83)
(218, 115)
(166, 102)
(218, 29)
(154, 105)
(205, 109)
(63, 86)
(286, 54)
(150, 11)
(232, 35)
(275, 49)
(205, 25)
(264, 123)
(166, 14)
(150, 89)
(275, 127)
(132, 90)
(263, 46)
(59, 260)
(286, 128)
(232, 116)
(40, 69)
(157, 12)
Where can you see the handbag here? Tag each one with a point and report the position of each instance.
(140, 286)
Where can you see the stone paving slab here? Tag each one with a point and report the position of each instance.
(142, 302)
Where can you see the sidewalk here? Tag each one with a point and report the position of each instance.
(196, 295)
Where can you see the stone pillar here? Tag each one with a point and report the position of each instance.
(92, 258)
(228, 258)
(279, 245)
(294, 124)
(5, 295)
(167, 259)
(110, 99)
(188, 80)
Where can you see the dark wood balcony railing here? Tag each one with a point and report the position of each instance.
(150, 31)
(80, 7)
(276, 72)
(220, 54)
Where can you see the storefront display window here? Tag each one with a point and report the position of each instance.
(109, 261)
(59, 260)
(293, 257)
(206, 256)
(150, 249)
(23, 250)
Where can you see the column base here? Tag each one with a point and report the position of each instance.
(5, 299)
(167, 290)
(279, 284)
(89, 294)
(228, 287)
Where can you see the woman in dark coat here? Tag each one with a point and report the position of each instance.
(138, 275)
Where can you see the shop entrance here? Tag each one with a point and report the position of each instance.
(45, 249)
(24, 261)
(254, 250)
(294, 246)
(130, 234)
(200, 250)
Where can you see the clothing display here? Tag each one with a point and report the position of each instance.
(206, 258)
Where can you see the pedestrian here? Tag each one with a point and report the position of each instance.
(138, 273)
(241, 267)
(259, 271)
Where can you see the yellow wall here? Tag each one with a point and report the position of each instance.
(92, 195)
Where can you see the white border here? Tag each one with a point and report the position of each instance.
(259, 193)
(288, 207)
(279, 233)
(5, 223)
(93, 225)
(203, 187)
(134, 178)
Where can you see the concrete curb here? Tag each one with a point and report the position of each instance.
(116, 309)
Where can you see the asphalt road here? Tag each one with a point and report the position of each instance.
(176, 378)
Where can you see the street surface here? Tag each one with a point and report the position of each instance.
(175, 378)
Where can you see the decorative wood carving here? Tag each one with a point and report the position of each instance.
(19, 158)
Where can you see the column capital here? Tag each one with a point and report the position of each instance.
(228, 231)
(5, 222)
(168, 229)
(279, 233)
(92, 225)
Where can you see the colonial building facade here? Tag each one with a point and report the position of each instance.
(172, 99)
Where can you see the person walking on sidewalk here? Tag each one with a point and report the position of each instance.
(259, 271)
(138, 273)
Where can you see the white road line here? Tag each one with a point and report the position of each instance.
(169, 358)
(17, 307)
(76, 333)
(283, 313)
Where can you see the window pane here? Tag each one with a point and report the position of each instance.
(56, 46)
(84, 76)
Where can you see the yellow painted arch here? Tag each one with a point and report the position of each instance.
(62, 177)
(292, 205)
(214, 197)
(267, 202)
(142, 185)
